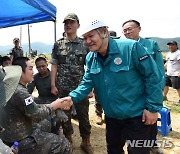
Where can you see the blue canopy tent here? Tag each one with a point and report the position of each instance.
(20, 12)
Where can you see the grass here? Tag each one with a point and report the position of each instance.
(174, 108)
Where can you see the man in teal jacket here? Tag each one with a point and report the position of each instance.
(128, 84)
(131, 30)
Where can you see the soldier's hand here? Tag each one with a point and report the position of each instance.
(54, 90)
(149, 118)
(67, 100)
(62, 103)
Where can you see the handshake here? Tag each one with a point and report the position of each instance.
(64, 103)
(61, 104)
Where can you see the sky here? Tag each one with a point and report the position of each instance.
(158, 18)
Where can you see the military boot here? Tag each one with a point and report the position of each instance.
(86, 145)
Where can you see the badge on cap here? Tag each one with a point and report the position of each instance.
(118, 61)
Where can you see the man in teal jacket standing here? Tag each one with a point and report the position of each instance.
(128, 84)
(131, 30)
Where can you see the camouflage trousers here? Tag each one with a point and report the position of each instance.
(40, 100)
(98, 107)
(40, 142)
(82, 110)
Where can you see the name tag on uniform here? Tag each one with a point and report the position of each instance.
(143, 58)
(28, 100)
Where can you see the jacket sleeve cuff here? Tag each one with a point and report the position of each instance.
(152, 109)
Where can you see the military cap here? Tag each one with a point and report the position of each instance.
(71, 16)
(113, 34)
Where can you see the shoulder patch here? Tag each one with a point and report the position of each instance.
(144, 57)
(28, 100)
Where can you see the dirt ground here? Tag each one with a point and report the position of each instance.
(98, 132)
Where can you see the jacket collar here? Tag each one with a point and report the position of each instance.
(112, 47)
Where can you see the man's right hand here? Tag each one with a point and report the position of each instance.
(54, 90)
(62, 104)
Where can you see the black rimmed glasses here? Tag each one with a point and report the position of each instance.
(129, 29)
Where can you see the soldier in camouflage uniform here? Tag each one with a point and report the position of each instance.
(68, 60)
(16, 51)
(42, 82)
(20, 112)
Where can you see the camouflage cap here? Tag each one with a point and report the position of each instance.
(71, 16)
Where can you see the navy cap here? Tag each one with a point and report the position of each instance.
(172, 42)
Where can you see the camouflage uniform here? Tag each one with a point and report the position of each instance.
(18, 117)
(43, 85)
(70, 58)
(16, 52)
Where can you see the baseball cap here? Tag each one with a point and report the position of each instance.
(94, 24)
(9, 79)
(172, 42)
(113, 34)
(71, 16)
(15, 39)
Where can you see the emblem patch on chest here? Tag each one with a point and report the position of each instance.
(118, 61)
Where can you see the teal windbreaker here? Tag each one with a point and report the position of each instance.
(126, 83)
(153, 49)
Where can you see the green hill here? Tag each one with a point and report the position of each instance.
(39, 46)
(162, 42)
(47, 48)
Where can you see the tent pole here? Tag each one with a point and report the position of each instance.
(20, 35)
(55, 31)
(29, 39)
